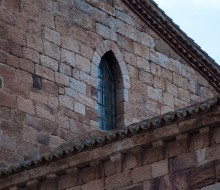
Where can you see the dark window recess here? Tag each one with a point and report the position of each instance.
(1, 82)
(106, 96)
(37, 82)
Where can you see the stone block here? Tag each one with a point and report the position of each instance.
(16, 35)
(94, 185)
(182, 162)
(79, 108)
(26, 65)
(146, 77)
(141, 174)
(154, 93)
(39, 97)
(155, 69)
(88, 79)
(130, 59)
(106, 32)
(44, 111)
(178, 180)
(141, 51)
(184, 95)
(61, 79)
(31, 54)
(66, 101)
(65, 69)
(48, 62)
(208, 154)
(159, 58)
(52, 36)
(29, 134)
(166, 74)
(119, 180)
(174, 66)
(125, 17)
(7, 142)
(147, 40)
(180, 81)
(35, 42)
(53, 102)
(86, 51)
(109, 168)
(72, 93)
(46, 18)
(68, 42)
(25, 105)
(88, 174)
(7, 72)
(179, 103)
(68, 57)
(125, 43)
(159, 83)
(160, 168)
(168, 100)
(203, 176)
(11, 5)
(51, 50)
(78, 86)
(44, 72)
(7, 100)
(50, 87)
(83, 63)
(143, 63)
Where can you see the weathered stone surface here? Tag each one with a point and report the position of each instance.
(184, 161)
(118, 180)
(203, 176)
(140, 174)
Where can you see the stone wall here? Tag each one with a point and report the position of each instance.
(184, 154)
(49, 55)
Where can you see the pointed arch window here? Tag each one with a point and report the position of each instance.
(106, 95)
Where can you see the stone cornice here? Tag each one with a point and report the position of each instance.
(154, 17)
(145, 133)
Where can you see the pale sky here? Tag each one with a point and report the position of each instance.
(199, 19)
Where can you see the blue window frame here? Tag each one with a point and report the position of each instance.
(106, 96)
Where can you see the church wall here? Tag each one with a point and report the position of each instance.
(181, 155)
(48, 72)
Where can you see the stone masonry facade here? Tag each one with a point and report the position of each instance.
(181, 155)
(49, 56)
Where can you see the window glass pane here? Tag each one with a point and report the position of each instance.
(106, 97)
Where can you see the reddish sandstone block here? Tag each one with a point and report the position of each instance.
(7, 100)
(26, 105)
(203, 176)
(12, 5)
(179, 180)
(184, 161)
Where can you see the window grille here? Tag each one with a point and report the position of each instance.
(106, 96)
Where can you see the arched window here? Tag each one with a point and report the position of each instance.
(106, 95)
